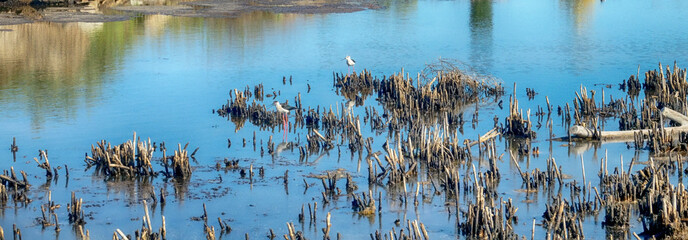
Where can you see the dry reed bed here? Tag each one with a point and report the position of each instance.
(661, 205)
(663, 89)
(134, 159)
(13, 187)
(424, 100)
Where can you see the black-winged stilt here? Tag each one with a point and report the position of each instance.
(350, 62)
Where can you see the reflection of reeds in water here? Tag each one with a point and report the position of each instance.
(580, 10)
(56, 66)
(241, 31)
(58, 49)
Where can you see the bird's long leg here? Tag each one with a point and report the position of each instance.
(284, 120)
(286, 123)
(286, 126)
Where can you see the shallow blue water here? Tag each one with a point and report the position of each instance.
(65, 86)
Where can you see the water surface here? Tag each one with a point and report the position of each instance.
(65, 86)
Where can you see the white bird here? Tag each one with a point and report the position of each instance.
(350, 62)
(350, 105)
(283, 109)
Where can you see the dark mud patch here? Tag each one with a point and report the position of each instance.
(19, 13)
(176, 10)
(223, 8)
(339, 173)
(12, 19)
(64, 15)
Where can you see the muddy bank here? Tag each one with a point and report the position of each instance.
(18, 12)
(224, 8)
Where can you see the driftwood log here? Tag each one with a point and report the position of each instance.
(578, 131)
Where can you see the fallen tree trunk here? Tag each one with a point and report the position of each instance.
(578, 131)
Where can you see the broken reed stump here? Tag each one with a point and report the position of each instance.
(10, 180)
(536, 179)
(667, 88)
(43, 155)
(181, 168)
(632, 86)
(146, 232)
(561, 220)
(515, 125)
(4, 195)
(293, 234)
(487, 221)
(413, 230)
(364, 204)
(10, 185)
(75, 213)
(48, 215)
(16, 232)
(350, 184)
(398, 167)
(617, 215)
(14, 148)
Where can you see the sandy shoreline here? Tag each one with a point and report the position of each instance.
(17, 13)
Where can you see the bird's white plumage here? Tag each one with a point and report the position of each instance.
(349, 62)
(279, 107)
